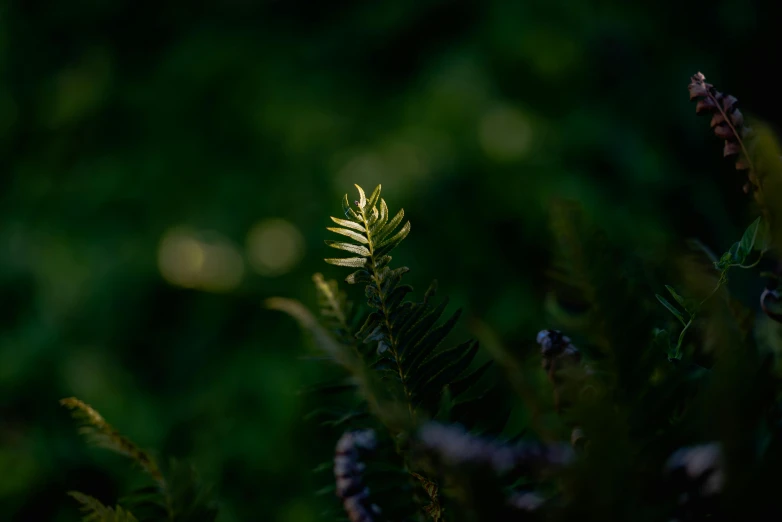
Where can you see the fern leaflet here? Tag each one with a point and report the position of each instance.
(95, 511)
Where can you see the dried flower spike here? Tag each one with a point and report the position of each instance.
(727, 123)
(348, 472)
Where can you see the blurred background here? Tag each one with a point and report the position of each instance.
(166, 166)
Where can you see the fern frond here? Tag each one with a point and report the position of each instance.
(407, 335)
(102, 434)
(95, 511)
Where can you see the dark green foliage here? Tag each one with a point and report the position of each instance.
(653, 378)
(119, 120)
(610, 281)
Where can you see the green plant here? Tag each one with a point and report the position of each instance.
(619, 421)
(640, 404)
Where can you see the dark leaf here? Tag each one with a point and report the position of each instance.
(359, 276)
(440, 371)
(426, 346)
(409, 336)
(671, 308)
(464, 384)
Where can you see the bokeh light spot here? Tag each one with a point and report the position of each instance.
(505, 134)
(396, 162)
(368, 168)
(274, 247)
(206, 261)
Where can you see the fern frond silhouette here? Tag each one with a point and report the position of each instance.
(95, 511)
(176, 496)
(102, 434)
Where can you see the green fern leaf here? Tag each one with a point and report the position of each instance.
(372, 201)
(95, 511)
(442, 361)
(347, 247)
(464, 384)
(454, 364)
(418, 327)
(354, 262)
(349, 233)
(382, 219)
(348, 224)
(349, 212)
(362, 198)
(390, 243)
(389, 228)
(426, 346)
